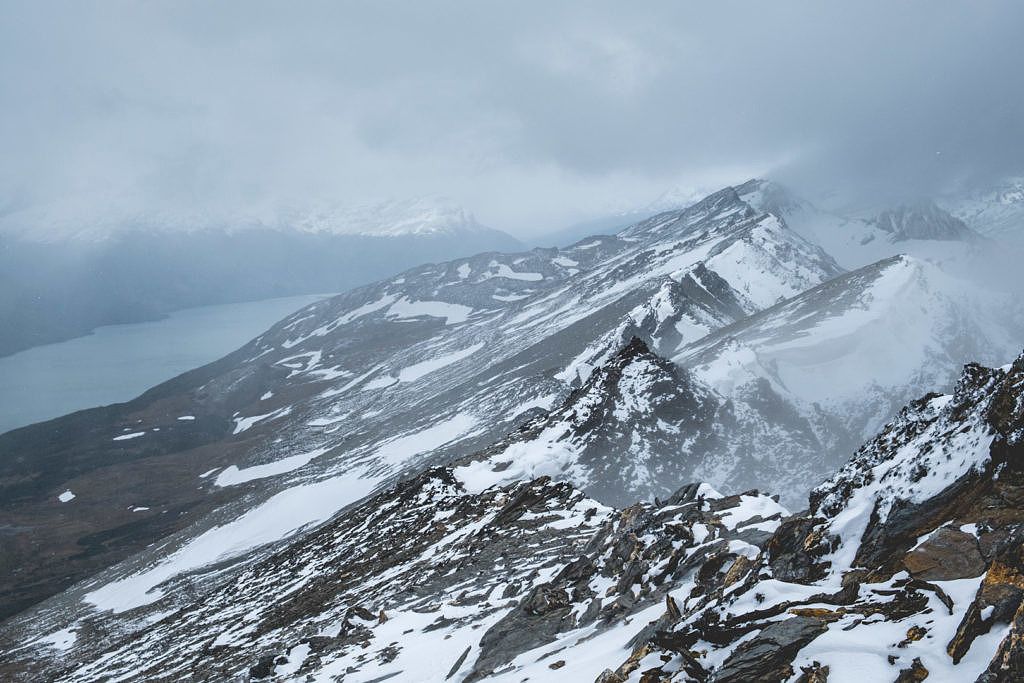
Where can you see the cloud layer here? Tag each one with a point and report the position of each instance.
(532, 114)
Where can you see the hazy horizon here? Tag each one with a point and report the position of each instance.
(531, 116)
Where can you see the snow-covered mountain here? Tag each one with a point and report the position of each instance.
(710, 343)
(419, 216)
(426, 215)
(920, 229)
(352, 391)
(996, 212)
(906, 566)
(841, 358)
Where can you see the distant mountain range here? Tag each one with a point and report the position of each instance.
(63, 283)
(996, 211)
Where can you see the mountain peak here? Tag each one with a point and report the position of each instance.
(718, 212)
(923, 220)
(770, 197)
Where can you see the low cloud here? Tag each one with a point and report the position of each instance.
(531, 114)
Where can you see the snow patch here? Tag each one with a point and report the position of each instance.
(280, 516)
(132, 435)
(414, 372)
(62, 640)
(244, 423)
(405, 447)
(405, 309)
(233, 475)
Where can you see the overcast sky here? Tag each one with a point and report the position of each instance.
(530, 114)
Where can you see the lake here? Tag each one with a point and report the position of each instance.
(118, 362)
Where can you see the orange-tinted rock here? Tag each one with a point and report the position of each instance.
(948, 554)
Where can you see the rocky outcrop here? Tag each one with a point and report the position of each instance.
(947, 554)
(930, 505)
(768, 656)
(909, 559)
(924, 220)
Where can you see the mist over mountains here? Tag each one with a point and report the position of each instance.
(64, 282)
(714, 343)
(680, 343)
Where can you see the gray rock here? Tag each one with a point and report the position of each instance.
(767, 658)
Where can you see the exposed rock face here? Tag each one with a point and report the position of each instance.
(914, 547)
(947, 554)
(637, 425)
(768, 655)
(512, 569)
(924, 221)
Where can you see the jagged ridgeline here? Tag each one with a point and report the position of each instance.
(908, 564)
(472, 470)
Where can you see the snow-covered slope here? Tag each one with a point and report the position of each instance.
(636, 427)
(842, 357)
(921, 229)
(443, 359)
(442, 363)
(996, 212)
(430, 581)
(907, 565)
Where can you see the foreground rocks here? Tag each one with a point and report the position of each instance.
(909, 561)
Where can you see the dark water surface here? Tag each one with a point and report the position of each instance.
(119, 362)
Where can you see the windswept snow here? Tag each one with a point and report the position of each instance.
(382, 382)
(278, 517)
(61, 640)
(526, 461)
(414, 372)
(244, 423)
(504, 271)
(404, 309)
(66, 497)
(296, 656)
(233, 475)
(404, 447)
(132, 435)
(365, 309)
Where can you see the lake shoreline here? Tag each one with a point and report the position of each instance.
(116, 363)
